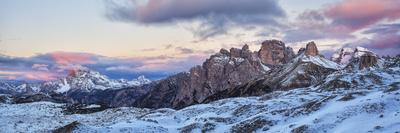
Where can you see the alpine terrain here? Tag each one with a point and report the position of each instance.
(272, 90)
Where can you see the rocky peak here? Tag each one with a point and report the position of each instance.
(367, 61)
(362, 58)
(245, 47)
(274, 52)
(301, 50)
(235, 52)
(311, 49)
(224, 52)
(222, 70)
(343, 56)
(142, 80)
(360, 51)
(83, 72)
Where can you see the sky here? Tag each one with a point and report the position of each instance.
(43, 39)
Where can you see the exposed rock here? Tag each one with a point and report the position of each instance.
(224, 52)
(251, 125)
(32, 98)
(5, 99)
(300, 129)
(336, 83)
(68, 128)
(311, 49)
(347, 97)
(367, 61)
(235, 52)
(245, 47)
(252, 88)
(83, 109)
(301, 51)
(343, 56)
(393, 87)
(219, 72)
(303, 71)
(274, 52)
(362, 58)
(189, 128)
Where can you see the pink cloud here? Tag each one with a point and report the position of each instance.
(40, 67)
(352, 15)
(42, 76)
(28, 75)
(72, 58)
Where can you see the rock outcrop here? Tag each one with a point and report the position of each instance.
(303, 71)
(274, 52)
(311, 49)
(367, 61)
(343, 56)
(221, 71)
(362, 59)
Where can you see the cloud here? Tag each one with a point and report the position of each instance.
(352, 15)
(215, 17)
(71, 58)
(384, 40)
(40, 67)
(160, 11)
(183, 50)
(340, 20)
(310, 25)
(51, 66)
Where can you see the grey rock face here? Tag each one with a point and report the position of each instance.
(302, 71)
(367, 61)
(362, 58)
(311, 49)
(274, 52)
(222, 70)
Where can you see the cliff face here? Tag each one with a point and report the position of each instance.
(223, 70)
(306, 69)
(274, 52)
(311, 49)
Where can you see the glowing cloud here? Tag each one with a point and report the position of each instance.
(72, 58)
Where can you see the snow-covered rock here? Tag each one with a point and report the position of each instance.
(358, 57)
(312, 109)
(343, 56)
(88, 80)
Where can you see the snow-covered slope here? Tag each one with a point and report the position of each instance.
(302, 71)
(83, 79)
(366, 106)
(320, 61)
(88, 80)
(344, 55)
(18, 87)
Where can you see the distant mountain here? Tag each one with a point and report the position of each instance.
(275, 90)
(82, 80)
(369, 103)
(233, 73)
(81, 86)
(86, 80)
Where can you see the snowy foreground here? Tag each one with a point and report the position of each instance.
(368, 107)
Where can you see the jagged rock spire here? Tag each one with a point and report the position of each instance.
(274, 52)
(311, 49)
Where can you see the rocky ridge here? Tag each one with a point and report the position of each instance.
(223, 70)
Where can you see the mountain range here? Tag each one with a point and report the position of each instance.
(236, 90)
